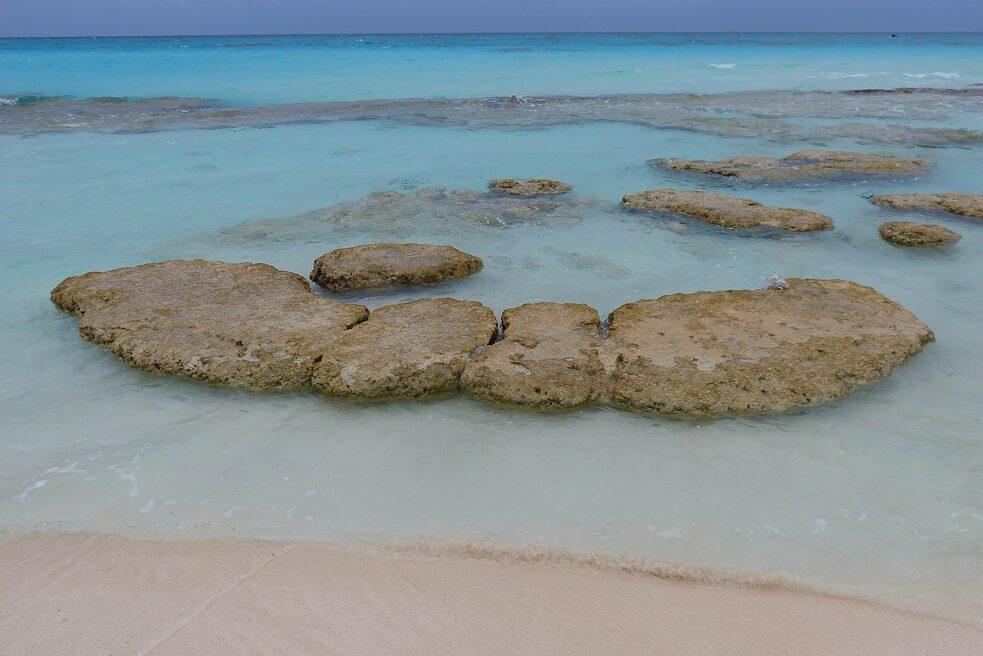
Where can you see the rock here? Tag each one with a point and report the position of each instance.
(970, 205)
(906, 233)
(551, 356)
(246, 325)
(803, 165)
(383, 265)
(768, 350)
(727, 211)
(529, 187)
(410, 349)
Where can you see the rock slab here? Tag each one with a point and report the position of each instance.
(970, 205)
(529, 187)
(384, 265)
(907, 233)
(726, 211)
(802, 165)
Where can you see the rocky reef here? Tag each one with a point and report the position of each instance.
(802, 165)
(726, 211)
(907, 233)
(706, 354)
(383, 265)
(970, 205)
(529, 187)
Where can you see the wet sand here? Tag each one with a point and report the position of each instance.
(90, 594)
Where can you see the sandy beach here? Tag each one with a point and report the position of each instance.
(93, 594)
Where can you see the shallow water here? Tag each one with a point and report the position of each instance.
(877, 495)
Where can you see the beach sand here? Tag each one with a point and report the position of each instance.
(93, 594)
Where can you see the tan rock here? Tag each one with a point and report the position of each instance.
(906, 233)
(551, 356)
(245, 325)
(383, 265)
(970, 205)
(529, 187)
(802, 165)
(726, 211)
(410, 349)
(768, 350)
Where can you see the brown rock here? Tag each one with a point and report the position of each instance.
(970, 205)
(802, 165)
(529, 187)
(410, 349)
(906, 233)
(769, 350)
(551, 356)
(383, 265)
(727, 211)
(245, 325)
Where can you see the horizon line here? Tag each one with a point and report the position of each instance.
(490, 33)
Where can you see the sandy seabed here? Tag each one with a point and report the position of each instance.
(99, 594)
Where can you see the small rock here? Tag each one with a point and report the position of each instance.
(803, 165)
(970, 205)
(529, 187)
(906, 233)
(383, 265)
(726, 211)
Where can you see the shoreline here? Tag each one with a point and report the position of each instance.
(88, 593)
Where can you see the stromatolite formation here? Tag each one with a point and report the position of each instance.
(245, 325)
(907, 233)
(802, 165)
(970, 205)
(529, 187)
(726, 211)
(382, 265)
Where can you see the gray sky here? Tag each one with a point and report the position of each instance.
(164, 17)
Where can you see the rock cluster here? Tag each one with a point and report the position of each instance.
(383, 265)
(802, 165)
(701, 354)
(906, 233)
(529, 187)
(970, 205)
(726, 211)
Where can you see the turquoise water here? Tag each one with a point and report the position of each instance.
(878, 495)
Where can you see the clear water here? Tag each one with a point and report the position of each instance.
(879, 495)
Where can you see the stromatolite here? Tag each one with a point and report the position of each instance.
(802, 165)
(529, 187)
(907, 233)
(970, 205)
(381, 265)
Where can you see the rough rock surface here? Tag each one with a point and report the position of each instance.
(529, 187)
(970, 205)
(802, 165)
(727, 211)
(551, 356)
(768, 350)
(245, 325)
(409, 349)
(382, 265)
(906, 233)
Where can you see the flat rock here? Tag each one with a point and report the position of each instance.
(409, 349)
(802, 165)
(384, 265)
(768, 350)
(906, 233)
(246, 325)
(727, 211)
(529, 187)
(551, 356)
(970, 205)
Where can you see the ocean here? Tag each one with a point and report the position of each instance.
(118, 151)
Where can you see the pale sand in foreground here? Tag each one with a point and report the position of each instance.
(111, 595)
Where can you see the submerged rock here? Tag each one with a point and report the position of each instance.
(410, 349)
(906, 233)
(768, 350)
(802, 165)
(551, 356)
(970, 205)
(245, 325)
(529, 187)
(727, 211)
(382, 265)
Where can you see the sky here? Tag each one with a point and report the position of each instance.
(173, 17)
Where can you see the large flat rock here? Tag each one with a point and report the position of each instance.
(726, 211)
(245, 325)
(411, 349)
(751, 351)
(384, 265)
(551, 356)
(970, 205)
(802, 165)
(907, 233)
